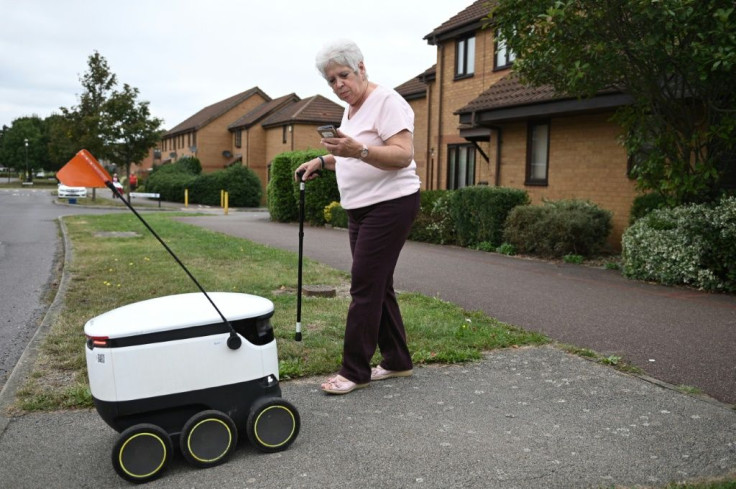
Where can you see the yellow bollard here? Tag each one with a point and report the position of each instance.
(227, 199)
(186, 197)
(222, 198)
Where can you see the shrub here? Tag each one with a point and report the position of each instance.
(576, 259)
(283, 191)
(691, 245)
(170, 185)
(556, 229)
(317, 195)
(241, 184)
(336, 215)
(172, 179)
(188, 164)
(433, 223)
(644, 204)
(479, 213)
(281, 202)
(506, 249)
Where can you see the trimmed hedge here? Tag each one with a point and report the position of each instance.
(283, 191)
(556, 229)
(282, 206)
(479, 213)
(687, 245)
(171, 181)
(241, 184)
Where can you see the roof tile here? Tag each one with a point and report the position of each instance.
(509, 92)
(314, 110)
(471, 15)
(211, 112)
(412, 88)
(263, 111)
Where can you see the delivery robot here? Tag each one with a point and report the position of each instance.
(169, 372)
(193, 370)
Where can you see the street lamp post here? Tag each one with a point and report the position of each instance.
(28, 174)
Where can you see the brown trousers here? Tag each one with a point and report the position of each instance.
(377, 235)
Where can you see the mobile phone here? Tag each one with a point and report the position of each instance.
(328, 131)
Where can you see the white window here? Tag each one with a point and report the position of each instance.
(465, 57)
(537, 153)
(504, 56)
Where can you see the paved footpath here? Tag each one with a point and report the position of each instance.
(521, 418)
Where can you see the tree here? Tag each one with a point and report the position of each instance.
(60, 146)
(85, 121)
(131, 129)
(675, 58)
(13, 151)
(110, 123)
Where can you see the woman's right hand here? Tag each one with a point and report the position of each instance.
(310, 170)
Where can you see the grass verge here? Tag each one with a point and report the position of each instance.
(110, 269)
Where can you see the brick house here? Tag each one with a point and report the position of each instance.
(415, 92)
(249, 128)
(249, 136)
(205, 134)
(476, 124)
(294, 127)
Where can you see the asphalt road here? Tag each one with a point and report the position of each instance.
(677, 335)
(29, 249)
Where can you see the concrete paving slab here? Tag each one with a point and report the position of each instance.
(520, 418)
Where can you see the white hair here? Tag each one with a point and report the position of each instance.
(342, 52)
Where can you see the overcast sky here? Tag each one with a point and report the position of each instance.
(184, 55)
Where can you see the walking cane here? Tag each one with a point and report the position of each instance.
(302, 187)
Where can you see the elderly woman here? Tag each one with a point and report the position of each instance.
(373, 157)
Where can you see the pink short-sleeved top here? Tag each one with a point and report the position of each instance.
(384, 113)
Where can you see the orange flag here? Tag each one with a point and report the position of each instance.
(83, 171)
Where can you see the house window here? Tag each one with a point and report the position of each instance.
(465, 57)
(504, 56)
(238, 138)
(460, 166)
(537, 153)
(283, 134)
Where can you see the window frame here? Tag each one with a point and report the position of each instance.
(509, 56)
(453, 170)
(462, 44)
(529, 179)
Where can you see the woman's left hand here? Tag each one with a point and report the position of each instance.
(343, 145)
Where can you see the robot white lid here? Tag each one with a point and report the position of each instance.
(175, 312)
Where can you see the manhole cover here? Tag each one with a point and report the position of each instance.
(319, 290)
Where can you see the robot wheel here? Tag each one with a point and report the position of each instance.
(273, 424)
(142, 453)
(208, 438)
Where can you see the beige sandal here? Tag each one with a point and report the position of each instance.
(340, 385)
(380, 373)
